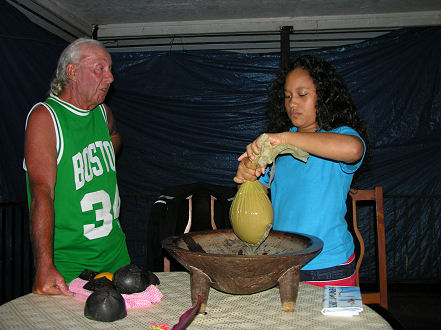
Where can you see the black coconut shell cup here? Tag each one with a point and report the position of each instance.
(105, 305)
(88, 274)
(98, 283)
(132, 279)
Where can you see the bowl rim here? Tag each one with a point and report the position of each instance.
(315, 247)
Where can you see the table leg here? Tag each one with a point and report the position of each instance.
(289, 288)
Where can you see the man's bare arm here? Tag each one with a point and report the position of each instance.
(41, 163)
(113, 130)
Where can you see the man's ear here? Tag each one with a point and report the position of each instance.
(71, 71)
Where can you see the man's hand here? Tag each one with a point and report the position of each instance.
(49, 281)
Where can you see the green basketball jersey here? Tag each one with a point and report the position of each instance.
(88, 234)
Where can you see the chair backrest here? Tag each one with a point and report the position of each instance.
(190, 225)
(375, 195)
(193, 207)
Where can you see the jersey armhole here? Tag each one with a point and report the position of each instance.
(57, 128)
(103, 111)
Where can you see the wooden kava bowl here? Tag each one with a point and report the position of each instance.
(218, 258)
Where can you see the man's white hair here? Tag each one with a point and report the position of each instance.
(71, 54)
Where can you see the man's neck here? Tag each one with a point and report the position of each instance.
(71, 96)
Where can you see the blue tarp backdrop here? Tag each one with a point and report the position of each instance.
(186, 116)
(28, 57)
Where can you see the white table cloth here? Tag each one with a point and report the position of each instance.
(261, 310)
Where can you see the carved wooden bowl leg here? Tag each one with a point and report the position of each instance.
(289, 288)
(199, 285)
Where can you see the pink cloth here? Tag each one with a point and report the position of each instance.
(134, 300)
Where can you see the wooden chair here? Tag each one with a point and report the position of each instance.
(376, 195)
(190, 223)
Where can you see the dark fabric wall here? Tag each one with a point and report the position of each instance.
(28, 57)
(185, 117)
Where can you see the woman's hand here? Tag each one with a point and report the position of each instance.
(247, 169)
(253, 149)
(277, 138)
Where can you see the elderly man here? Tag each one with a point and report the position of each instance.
(70, 145)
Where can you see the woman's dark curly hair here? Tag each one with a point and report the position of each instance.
(335, 106)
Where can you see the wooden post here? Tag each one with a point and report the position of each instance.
(95, 32)
(285, 31)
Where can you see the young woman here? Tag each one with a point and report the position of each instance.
(311, 108)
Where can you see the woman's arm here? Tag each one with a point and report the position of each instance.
(339, 147)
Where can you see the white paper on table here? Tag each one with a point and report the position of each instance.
(342, 300)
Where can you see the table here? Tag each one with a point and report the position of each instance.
(262, 310)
